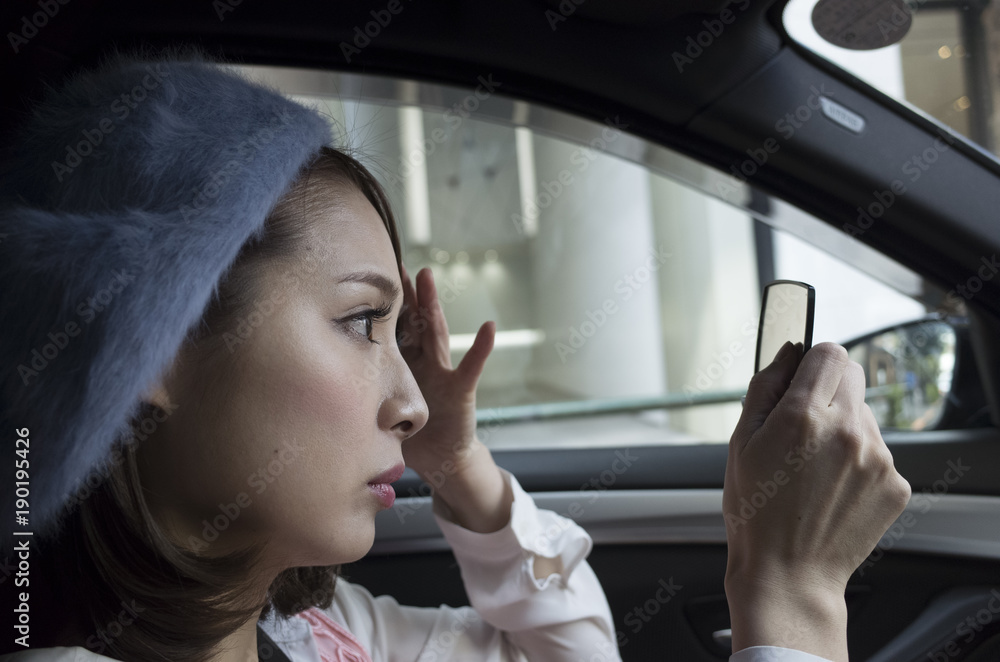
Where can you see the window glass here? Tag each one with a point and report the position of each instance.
(946, 65)
(624, 277)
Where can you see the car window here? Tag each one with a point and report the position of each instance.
(624, 277)
(941, 58)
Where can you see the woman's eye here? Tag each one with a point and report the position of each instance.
(363, 325)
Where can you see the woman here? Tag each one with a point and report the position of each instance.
(215, 330)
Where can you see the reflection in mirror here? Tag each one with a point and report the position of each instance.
(786, 315)
(908, 372)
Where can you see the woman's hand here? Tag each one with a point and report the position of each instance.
(446, 452)
(810, 488)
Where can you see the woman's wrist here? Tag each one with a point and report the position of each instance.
(476, 492)
(792, 614)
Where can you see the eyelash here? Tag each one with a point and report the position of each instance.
(370, 316)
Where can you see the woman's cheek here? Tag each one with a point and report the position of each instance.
(334, 392)
(329, 408)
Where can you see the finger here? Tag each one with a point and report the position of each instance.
(435, 339)
(819, 375)
(873, 437)
(471, 366)
(765, 390)
(850, 393)
(409, 294)
(847, 409)
(898, 490)
(409, 314)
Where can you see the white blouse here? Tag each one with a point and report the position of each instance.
(514, 616)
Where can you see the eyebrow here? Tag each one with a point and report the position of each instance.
(388, 288)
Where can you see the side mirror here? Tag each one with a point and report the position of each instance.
(910, 372)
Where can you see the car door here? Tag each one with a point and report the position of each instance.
(613, 183)
(625, 344)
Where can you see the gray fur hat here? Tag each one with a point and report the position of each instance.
(124, 199)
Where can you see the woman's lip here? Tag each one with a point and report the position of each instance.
(384, 493)
(381, 487)
(389, 476)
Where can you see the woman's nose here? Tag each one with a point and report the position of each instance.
(404, 411)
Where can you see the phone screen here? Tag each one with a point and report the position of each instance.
(786, 314)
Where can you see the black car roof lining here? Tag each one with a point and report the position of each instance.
(941, 220)
(596, 67)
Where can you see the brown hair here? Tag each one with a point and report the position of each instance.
(147, 597)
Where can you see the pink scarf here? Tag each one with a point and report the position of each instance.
(334, 642)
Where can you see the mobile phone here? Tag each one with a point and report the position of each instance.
(786, 314)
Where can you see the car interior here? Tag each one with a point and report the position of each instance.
(615, 182)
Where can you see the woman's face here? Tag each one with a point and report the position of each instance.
(282, 438)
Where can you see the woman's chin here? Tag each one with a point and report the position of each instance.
(353, 553)
(337, 541)
(344, 551)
